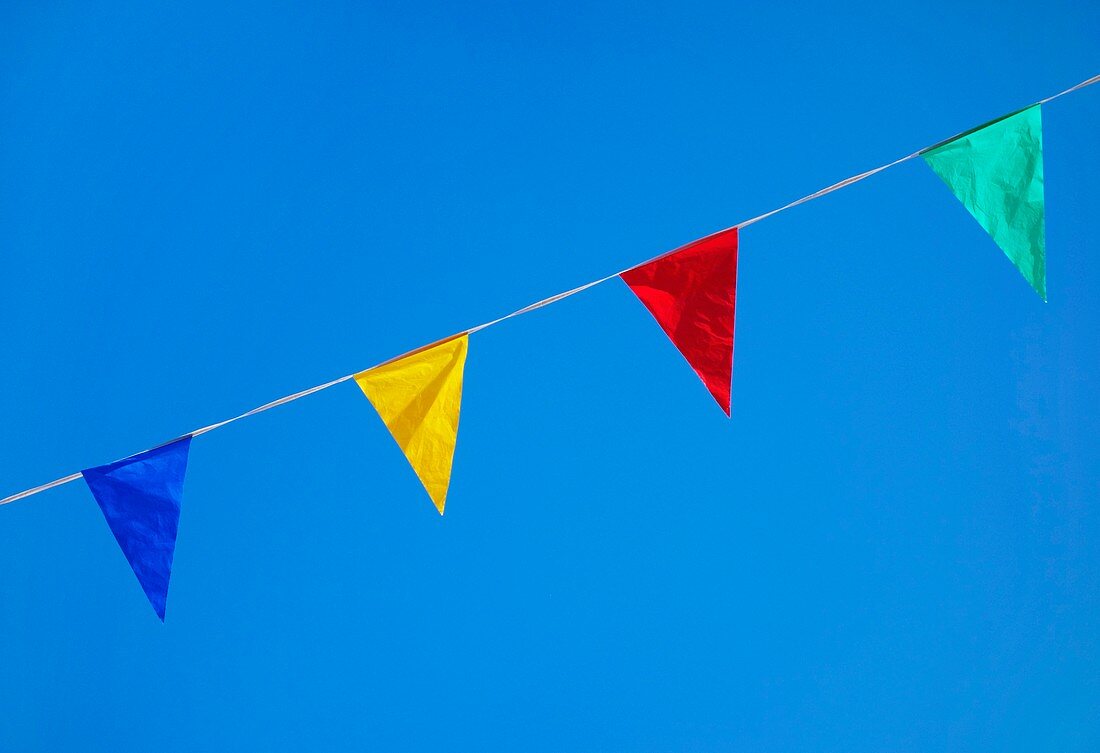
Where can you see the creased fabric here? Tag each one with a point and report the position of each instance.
(140, 497)
(419, 398)
(996, 171)
(692, 294)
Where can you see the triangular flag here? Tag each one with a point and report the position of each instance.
(140, 498)
(418, 398)
(691, 293)
(996, 171)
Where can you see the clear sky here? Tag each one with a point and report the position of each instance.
(894, 545)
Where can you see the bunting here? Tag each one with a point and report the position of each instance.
(691, 292)
(996, 171)
(418, 398)
(140, 497)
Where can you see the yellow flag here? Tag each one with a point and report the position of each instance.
(419, 398)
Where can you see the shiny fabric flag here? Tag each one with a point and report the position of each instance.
(418, 398)
(996, 171)
(691, 292)
(140, 498)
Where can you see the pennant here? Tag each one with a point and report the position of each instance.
(418, 398)
(140, 498)
(996, 171)
(691, 293)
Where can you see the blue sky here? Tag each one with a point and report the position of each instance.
(893, 544)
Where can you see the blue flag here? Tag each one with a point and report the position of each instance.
(140, 498)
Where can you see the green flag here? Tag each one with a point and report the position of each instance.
(996, 171)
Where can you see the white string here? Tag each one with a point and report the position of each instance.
(539, 304)
(1082, 85)
(828, 189)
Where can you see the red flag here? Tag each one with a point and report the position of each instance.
(691, 293)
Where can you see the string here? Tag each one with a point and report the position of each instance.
(545, 301)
